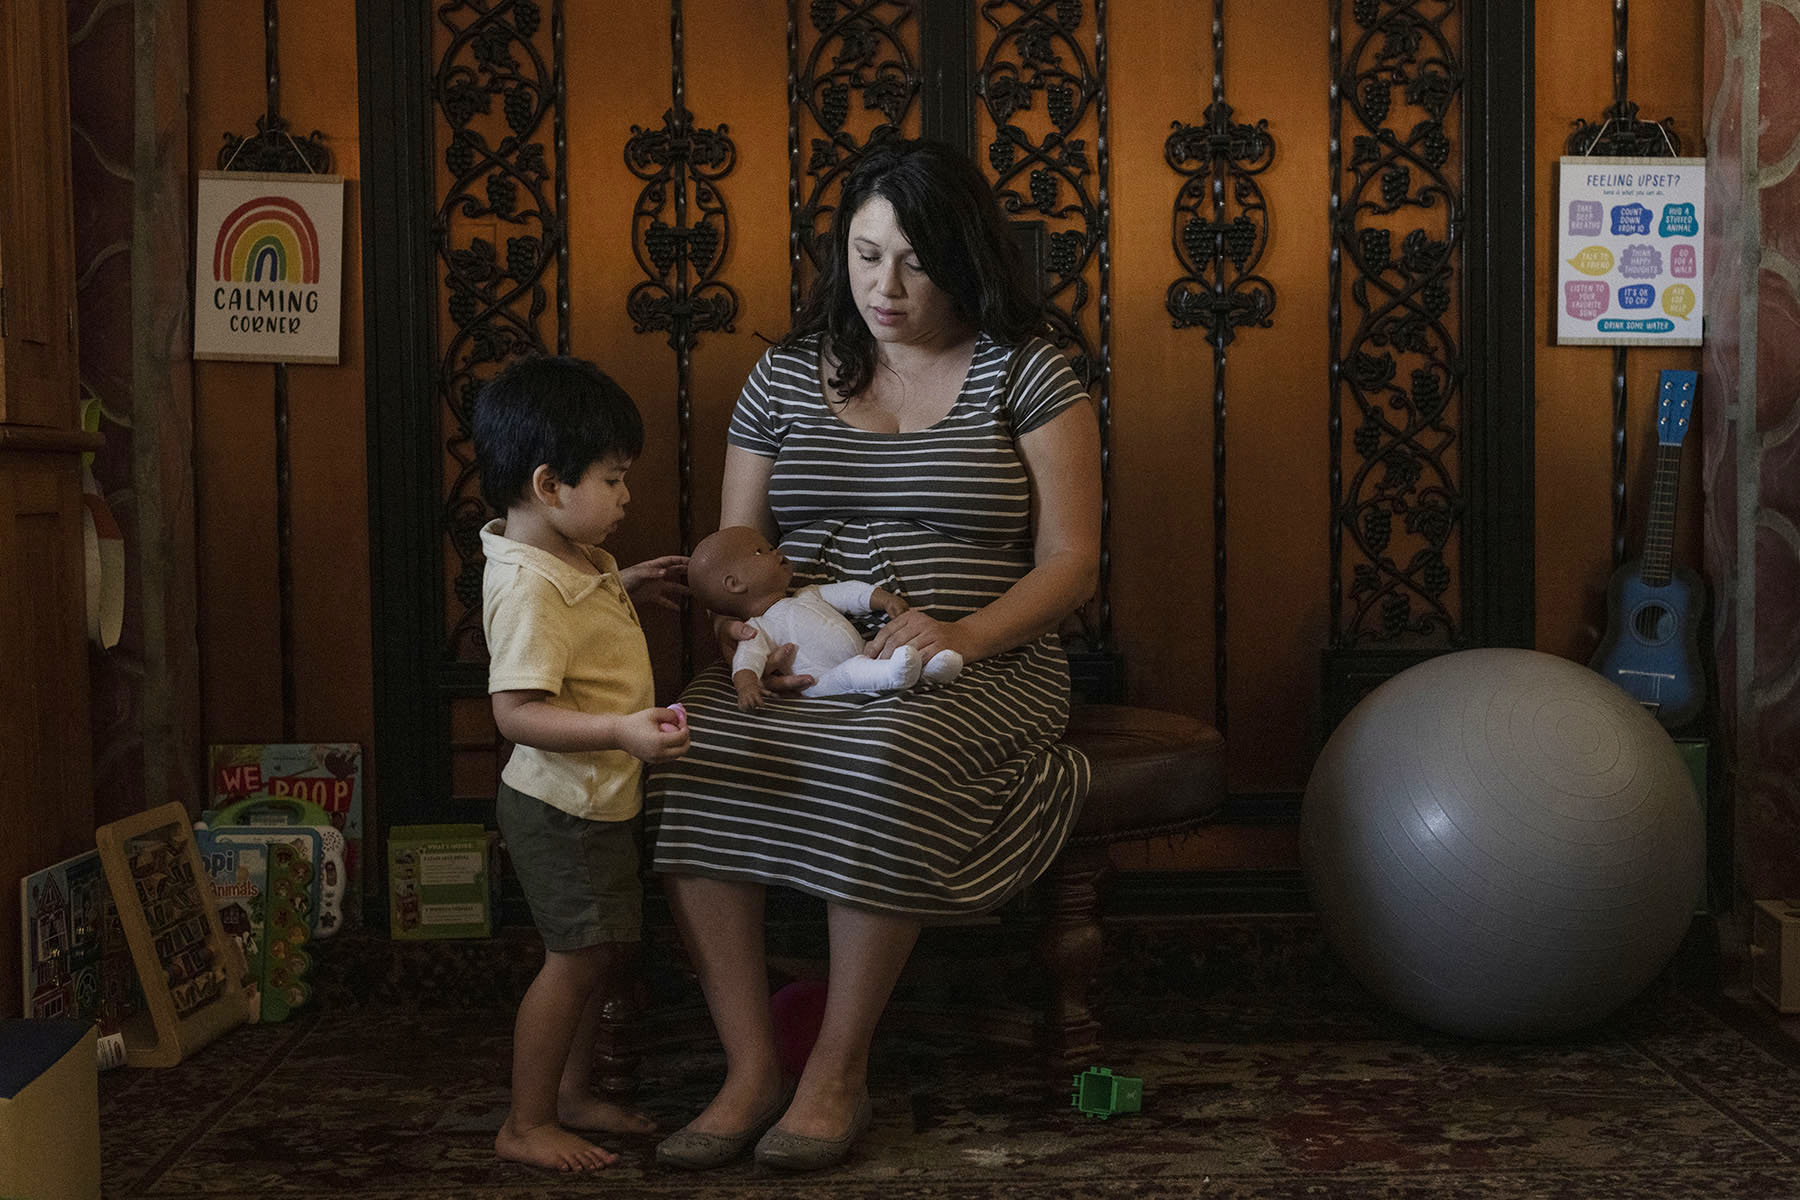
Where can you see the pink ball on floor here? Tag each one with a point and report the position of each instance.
(797, 1010)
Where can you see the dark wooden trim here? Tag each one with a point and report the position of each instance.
(1349, 675)
(1260, 808)
(1206, 893)
(1128, 894)
(408, 771)
(41, 439)
(1499, 580)
(947, 54)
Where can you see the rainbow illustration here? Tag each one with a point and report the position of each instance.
(267, 240)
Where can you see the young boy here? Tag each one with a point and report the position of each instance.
(569, 674)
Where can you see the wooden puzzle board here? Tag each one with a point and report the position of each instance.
(191, 971)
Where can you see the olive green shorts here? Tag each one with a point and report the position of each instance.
(580, 876)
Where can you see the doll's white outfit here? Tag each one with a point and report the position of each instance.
(828, 647)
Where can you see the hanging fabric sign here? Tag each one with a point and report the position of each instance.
(268, 267)
(1630, 258)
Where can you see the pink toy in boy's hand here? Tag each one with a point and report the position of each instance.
(680, 721)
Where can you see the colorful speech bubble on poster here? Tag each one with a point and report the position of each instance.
(1678, 300)
(1587, 218)
(1683, 262)
(1678, 220)
(1637, 295)
(1592, 260)
(1630, 219)
(1586, 299)
(1640, 260)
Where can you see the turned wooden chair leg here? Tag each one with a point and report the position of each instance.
(1070, 949)
(619, 1041)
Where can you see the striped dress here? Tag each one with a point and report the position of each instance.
(934, 802)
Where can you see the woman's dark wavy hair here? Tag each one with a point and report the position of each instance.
(564, 412)
(948, 212)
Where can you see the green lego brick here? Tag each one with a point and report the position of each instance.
(1100, 1093)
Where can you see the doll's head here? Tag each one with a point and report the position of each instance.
(737, 573)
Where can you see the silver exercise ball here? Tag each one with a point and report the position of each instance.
(1502, 844)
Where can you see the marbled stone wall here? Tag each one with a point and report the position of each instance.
(1751, 418)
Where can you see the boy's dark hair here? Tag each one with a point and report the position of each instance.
(564, 412)
(947, 210)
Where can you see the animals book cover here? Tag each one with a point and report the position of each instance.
(328, 774)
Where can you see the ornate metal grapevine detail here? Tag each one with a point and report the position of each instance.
(1042, 86)
(1221, 221)
(679, 252)
(1041, 91)
(1221, 228)
(853, 78)
(1220, 243)
(680, 234)
(1397, 370)
(501, 238)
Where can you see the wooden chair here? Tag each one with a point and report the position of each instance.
(1154, 773)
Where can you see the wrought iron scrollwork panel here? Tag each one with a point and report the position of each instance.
(1221, 229)
(681, 235)
(853, 79)
(501, 237)
(1041, 90)
(1398, 217)
(679, 253)
(1042, 87)
(1220, 243)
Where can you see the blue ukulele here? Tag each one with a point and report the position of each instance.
(1653, 610)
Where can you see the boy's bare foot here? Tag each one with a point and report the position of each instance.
(550, 1146)
(588, 1111)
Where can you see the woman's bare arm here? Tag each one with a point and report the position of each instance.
(1062, 458)
(744, 492)
(744, 500)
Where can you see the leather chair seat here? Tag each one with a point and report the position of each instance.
(1154, 772)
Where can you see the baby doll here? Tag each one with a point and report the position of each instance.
(735, 572)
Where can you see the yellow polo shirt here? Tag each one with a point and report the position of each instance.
(552, 628)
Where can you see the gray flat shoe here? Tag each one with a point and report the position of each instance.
(693, 1150)
(797, 1152)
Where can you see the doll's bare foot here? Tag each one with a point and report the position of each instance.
(588, 1111)
(550, 1146)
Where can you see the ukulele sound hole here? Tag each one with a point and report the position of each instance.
(1653, 623)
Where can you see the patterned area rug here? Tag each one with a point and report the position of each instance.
(1249, 1091)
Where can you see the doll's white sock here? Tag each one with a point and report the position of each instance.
(861, 674)
(944, 666)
